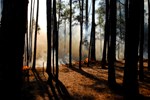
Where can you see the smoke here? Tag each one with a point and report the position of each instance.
(64, 52)
(41, 54)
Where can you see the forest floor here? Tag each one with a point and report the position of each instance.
(90, 83)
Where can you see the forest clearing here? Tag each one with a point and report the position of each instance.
(90, 83)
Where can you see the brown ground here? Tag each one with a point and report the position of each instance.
(90, 83)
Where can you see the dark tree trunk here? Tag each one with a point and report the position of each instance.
(112, 47)
(148, 35)
(106, 37)
(12, 37)
(30, 32)
(130, 81)
(92, 40)
(48, 68)
(56, 38)
(86, 22)
(35, 37)
(141, 72)
(70, 38)
(86, 13)
(81, 34)
(86, 17)
(126, 19)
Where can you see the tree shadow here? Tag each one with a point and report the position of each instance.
(77, 96)
(117, 89)
(52, 89)
(58, 89)
(42, 85)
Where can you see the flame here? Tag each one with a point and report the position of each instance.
(25, 68)
(87, 60)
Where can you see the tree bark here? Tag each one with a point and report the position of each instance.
(106, 35)
(92, 40)
(56, 39)
(12, 35)
(112, 47)
(148, 35)
(70, 38)
(48, 68)
(35, 37)
(130, 81)
(141, 70)
(81, 34)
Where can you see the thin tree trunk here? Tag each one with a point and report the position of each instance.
(126, 20)
(27, 49)
(65, 37)
(31, 31)
(106, 35)
(59, 14)
(141, 72)
(56, 38)
(86, 13)
(35, 38)
(81, 36)
(48, 68)
(148, 35)
(120, 29)
(70, 38)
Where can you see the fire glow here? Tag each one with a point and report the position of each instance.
(25, 68)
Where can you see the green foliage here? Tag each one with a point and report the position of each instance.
(64, 10)
(101, 12)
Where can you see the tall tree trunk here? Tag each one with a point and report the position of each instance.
(86, 18)
(31, 30)
(141, 72)
(106, 35)
(120, 29)
(70, 38)
(59, 14)
(81, 34)
(48, 68)
(92, 40)
(35, 37)
(27, 49)
(148, 35)
(112, 47)
(126, 19)
(65, 37)
(56, 37)
(86, 13)
(12, 37)
(130, 81)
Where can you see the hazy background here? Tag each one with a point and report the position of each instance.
(64, 52)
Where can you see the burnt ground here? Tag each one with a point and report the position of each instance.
(90, 83)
